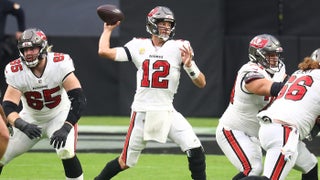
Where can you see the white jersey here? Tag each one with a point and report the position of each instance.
(298, 102)
(244, 106)
(158, 73)
(42, 97)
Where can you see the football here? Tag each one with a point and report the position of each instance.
(110, 14)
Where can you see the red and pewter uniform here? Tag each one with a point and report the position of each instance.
(158, 75)
(296, 106)
(45, 102)
(237, 132)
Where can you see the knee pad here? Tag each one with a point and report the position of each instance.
(65, 153)
(197, 164)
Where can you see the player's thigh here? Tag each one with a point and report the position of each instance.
(272, 137)
(18, 144)
(68, 151)
(234, 142)
(181, 132)
(134, 142)
(243, 152)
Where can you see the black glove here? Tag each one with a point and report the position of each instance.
(59, 138)
(10, 129)
(31, 130)
(314, 132)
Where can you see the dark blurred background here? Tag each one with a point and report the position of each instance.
(219, 32)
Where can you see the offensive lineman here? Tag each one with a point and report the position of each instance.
(52, 100)
(257, 82)
(153, 117)
(283, 129)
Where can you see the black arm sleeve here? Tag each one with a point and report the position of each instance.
(275, 88)
(9, 107)
(286, 79)
(78, 104)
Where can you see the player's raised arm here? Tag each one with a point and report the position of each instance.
(189, 65)
(104, 42)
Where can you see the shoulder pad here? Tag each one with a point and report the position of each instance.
(250, 76)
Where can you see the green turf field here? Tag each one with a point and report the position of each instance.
(46, 166)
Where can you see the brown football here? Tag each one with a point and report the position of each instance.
(110, 14)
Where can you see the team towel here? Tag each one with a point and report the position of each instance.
(157, 125)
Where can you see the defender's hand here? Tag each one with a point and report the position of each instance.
(59, 137)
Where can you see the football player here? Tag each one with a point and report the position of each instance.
(283, 129)
(158, 60)
(257, 84)
(52, 101)
(4, 133)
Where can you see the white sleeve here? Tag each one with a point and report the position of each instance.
(121, 54)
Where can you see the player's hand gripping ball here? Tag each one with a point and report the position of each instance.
(110, 14)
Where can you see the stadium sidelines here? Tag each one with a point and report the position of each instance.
(93, 138)
(123, 129)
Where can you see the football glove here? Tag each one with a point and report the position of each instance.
(10, 129)
(59, 137)
(31, 130)
(314, 132)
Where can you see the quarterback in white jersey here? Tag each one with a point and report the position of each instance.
(52, 101)
(158, 60)
(289, 120)
(257, 82)
(158, 73)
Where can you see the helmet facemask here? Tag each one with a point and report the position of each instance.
(160, 14)
(271, 61)
(33, 38)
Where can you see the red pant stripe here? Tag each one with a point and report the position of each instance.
(278, 168)
(126, 143)
(238, 151)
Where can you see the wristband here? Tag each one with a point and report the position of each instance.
(67, 126)
(192, 71)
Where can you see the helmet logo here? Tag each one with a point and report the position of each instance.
(153, 11)
(41, 35)
(258, 42)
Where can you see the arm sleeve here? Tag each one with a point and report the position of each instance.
(121, 54)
